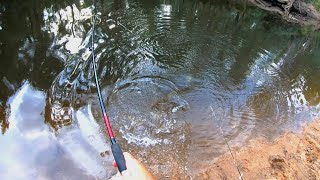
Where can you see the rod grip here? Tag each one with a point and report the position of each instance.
(118, 157)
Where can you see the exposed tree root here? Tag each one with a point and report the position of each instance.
(295, 11)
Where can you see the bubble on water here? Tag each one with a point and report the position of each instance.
(105, 153)
(102, 154)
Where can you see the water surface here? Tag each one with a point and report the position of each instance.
(176, 75)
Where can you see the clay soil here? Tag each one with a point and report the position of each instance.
(291, 156)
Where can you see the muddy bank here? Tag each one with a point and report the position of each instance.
(296, 11)
(291, 156)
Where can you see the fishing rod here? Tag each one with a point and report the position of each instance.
(116, 150)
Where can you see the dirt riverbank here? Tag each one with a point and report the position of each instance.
(291, 156)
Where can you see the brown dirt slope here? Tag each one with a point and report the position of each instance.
(291, 156)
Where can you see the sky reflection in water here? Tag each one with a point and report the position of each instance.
(32, 151)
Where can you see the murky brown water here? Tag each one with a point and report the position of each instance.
(173, 74)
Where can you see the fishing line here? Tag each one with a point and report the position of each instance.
(226, 141)
(118, 22)
(234, 160)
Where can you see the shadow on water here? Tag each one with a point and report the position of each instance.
(172, 73)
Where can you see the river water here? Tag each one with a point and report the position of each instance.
(176, 76)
